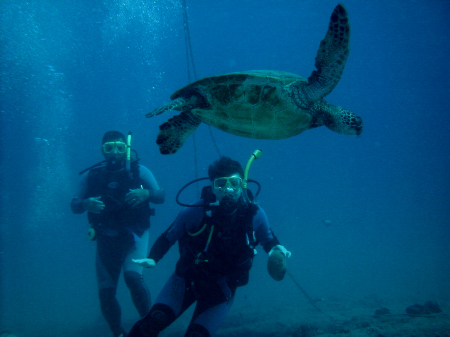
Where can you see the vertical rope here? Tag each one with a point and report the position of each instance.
(214, 141)
(195, 163)
(190, 63)
(187, 40)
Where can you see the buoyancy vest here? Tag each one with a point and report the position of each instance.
(112, 186)
(223, 246)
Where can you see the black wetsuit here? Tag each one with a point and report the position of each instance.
(216, 254)
(121, 234)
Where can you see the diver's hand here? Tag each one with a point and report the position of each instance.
(276, 265)
(137, 196)
(93, 205)
(146, 263)
(281, 249)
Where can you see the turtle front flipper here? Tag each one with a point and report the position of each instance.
(331, 56)
(337, 119)
(173, 133)
(176, 104)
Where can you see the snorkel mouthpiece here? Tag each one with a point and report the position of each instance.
(227, 205)
(113, 164)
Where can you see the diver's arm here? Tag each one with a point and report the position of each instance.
(157, 197)
(157, 252)
(188, 219)
(76, 204)
(276, 265)
(263, 232)
(271, 244)
(80, 203)
(156, 194)
(265, 235)
(159, 248)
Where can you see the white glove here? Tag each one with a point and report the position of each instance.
(281, 249)
(146, 263)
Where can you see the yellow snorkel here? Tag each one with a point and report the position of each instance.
(255, 155)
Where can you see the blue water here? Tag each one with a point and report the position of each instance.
(72, 70)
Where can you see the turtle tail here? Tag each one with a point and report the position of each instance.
(176, 104)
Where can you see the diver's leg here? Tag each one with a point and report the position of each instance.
(210, 311)
(132, 274)
(108, 265)
(159, 318)
(111, 309)
(139, 291)
(173, 300)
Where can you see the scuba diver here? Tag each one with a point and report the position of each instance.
(217, 236)
(116, 194)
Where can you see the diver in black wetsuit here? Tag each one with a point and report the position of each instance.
(217, 237)
(116, 195)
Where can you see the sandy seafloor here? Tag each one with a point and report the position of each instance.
(339, 317)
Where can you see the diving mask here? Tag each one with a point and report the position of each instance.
(227, 182)
(109, 147)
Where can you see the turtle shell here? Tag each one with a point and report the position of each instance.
(253, 104)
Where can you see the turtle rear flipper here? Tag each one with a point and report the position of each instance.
(173, 133)
(331, 56)
(176, 104)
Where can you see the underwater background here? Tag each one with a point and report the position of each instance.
(365, 217)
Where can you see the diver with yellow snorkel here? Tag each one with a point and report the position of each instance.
(116, 194)
(217, 236)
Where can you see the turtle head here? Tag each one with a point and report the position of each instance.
(344, 121)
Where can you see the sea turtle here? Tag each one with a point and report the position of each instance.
(265, 104)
